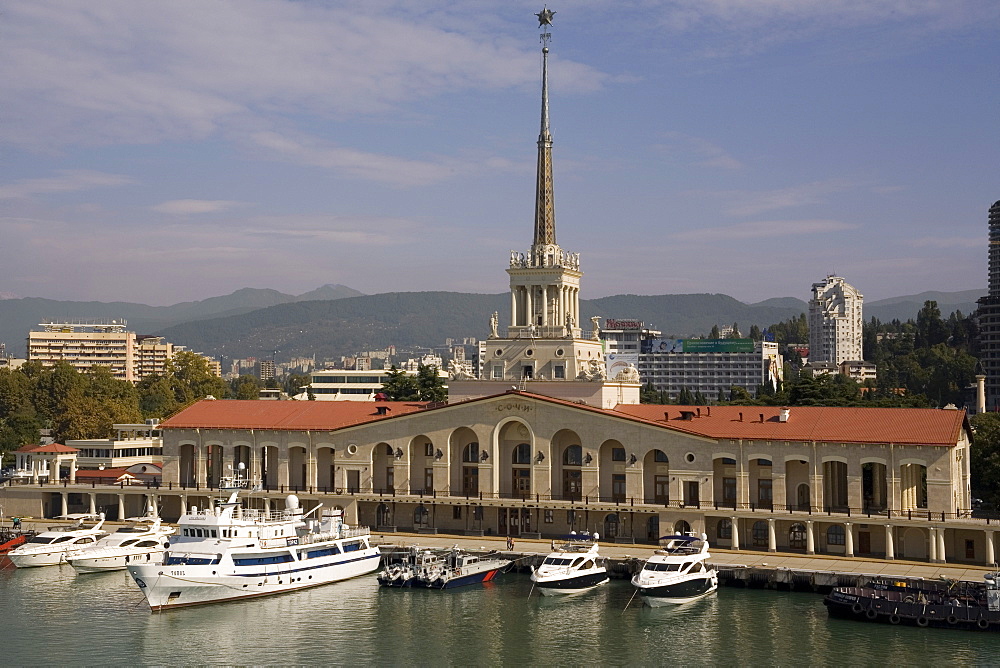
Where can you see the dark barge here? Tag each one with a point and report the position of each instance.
(943, 604)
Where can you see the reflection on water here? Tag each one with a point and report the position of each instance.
(53, 616)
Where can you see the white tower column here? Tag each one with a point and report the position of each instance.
(734, 523)
(890, 550)
(810, 538)
(772, 540)
(848, 540)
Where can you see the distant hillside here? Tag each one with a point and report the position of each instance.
(337, 320)
(20, 316)
(331, 329)
(904, 308)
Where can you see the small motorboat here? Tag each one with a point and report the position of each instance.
(678, 572)
(572, 567)
(403, 572)
(457, 568)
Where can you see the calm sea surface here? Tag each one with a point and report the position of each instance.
(50, 616)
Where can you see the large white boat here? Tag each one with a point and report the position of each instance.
(230, 552)
(678, 572)
(143, 539)
(50, 548)
(573, 566)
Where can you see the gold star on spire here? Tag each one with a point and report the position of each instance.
(545, 17)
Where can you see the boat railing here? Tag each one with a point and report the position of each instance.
(343, 532)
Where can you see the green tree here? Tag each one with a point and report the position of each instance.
(714, 333)
(246, 387)
(400, 386)
(192, 378)
(985, 457)
(294, 382)
(157, 398)
(430, 385)
(755, 333)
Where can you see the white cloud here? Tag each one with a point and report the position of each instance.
(184, 207)
(764, 229)
(66, 181)
(698, 151)
(140, 71)
(746, 203)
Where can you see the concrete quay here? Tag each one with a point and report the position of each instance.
(736, 568)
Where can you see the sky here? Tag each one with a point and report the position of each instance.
(161, 152)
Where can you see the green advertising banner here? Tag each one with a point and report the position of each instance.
(718, 345)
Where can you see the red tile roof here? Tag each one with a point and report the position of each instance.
(285, 415)
(914, 426)
(51, 447)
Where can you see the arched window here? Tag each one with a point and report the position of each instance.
(521, 454)
(421, 516)
(660, 456)
(611, 525)
(797, 536)
(724, 530)
(471, 453)
(835, 535)
(759, 533)
(383, 516)
(573, 456)
(682, 528)
(388, 449)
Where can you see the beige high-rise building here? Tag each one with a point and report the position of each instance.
(85, 344)
(835, 322)
(88, 343)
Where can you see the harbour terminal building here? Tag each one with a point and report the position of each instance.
(547, 436)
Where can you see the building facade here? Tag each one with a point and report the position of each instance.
(988, 315)
(85, 344)
(711, 366)
(835, 322)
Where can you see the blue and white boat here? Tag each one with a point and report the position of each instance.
(572, 567)
(457, 568)
(678, 572)
(230, 552)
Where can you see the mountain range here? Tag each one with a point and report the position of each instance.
(336, 320)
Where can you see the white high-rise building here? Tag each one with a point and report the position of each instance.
(835, 322)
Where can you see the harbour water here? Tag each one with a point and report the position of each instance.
(50, 616)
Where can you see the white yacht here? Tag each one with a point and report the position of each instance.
(572, 567)
(230, 552)
(678, 572)
(50, 548)
(143, 539)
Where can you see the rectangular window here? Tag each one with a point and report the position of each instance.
(691, 496)
(390, 475)
(617, 454)
(548, 519)
(497, 371)
(729, 490)
(764, 492)
(661, 489)
(571, 517)
(428, 480)
(970, 548)
(428, 449)
(618, 486)
(456, 512)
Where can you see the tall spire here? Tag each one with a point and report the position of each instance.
(545, 211)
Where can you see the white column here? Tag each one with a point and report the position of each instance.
(772, 541)
(848, 539)
(93, 503)
(932, 534)
(121, 507)
(72, 471)
(736, 533)
(890, 549)
(810, 539)
(513, 307)
(65, 502)
(990, 549)
(942, 558)
(184, 504)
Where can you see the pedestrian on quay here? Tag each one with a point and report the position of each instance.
(510, 543)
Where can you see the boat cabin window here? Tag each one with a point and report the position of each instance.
(183, 559)
(589, 564)
(130, 541)
(215, 533)
(576, 562)
(323, 552)
(662, 567)
(41, 540)
(85, 539)
(353, 545)
(557, 561)
(61, 539)
(147, 543)
(263, 561)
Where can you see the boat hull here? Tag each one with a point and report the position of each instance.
(678, 593)
(463, 580)
(168, 587)
(35, 560)
(102, 564)
(844, 605)
(570, 585)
